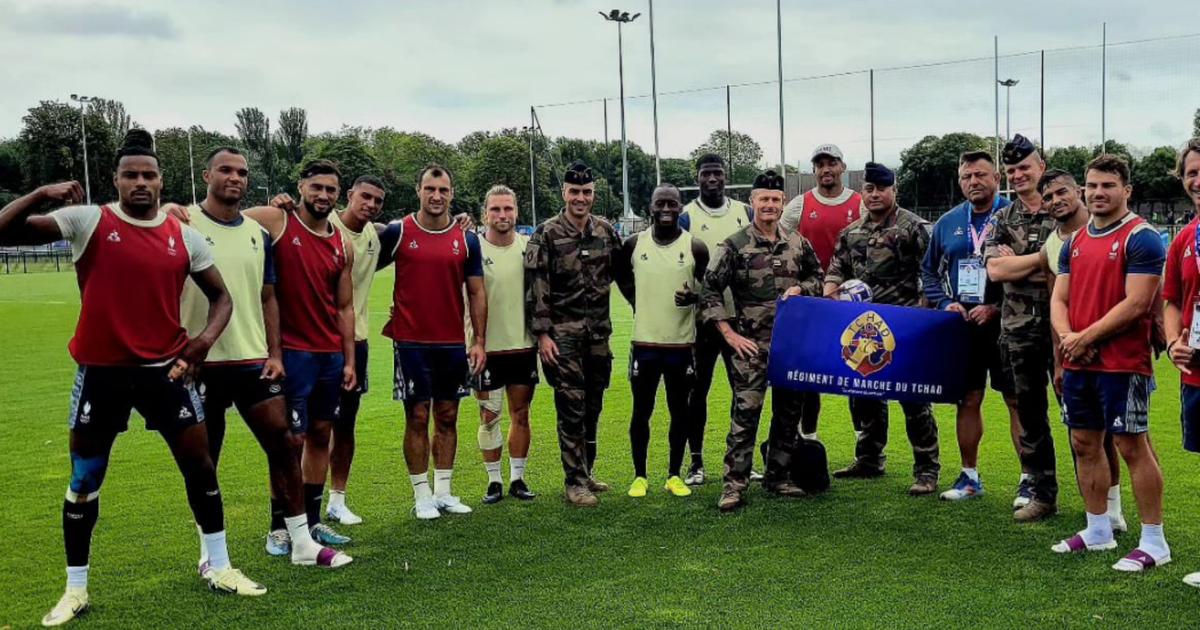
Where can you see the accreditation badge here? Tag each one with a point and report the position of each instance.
(1194, 333)
(972, 280)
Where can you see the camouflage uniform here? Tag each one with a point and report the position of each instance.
(887, 257)
(758, 272)
(1025, 346)
(567, 278)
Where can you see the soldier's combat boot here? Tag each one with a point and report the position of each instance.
(1035, 510)
(596, 486)
(730, 500)
(784, 489)
(922, 486)
(580, 496)
(857, 470)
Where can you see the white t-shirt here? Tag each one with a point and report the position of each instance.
(77, 223)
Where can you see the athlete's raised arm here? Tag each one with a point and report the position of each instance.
(18, 224)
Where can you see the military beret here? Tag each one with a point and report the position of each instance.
(1017, 149)
(768, 180)
(878, 174)
(578, 173)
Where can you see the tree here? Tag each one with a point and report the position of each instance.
(11, 178)
(114, 114)
(928, 174)
(400, 156)
(1154, 178)
(1072, 159)
(345, 149)
(51, 150)
(746, 151)
(291, 135)
(678, 172)
(171, 145)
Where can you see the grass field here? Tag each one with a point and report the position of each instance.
(864, 555)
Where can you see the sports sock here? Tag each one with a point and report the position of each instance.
(312, 502)
(1114, 500)
(337, 498)
(516, 468)
(78, 521)
(972, 474)
(420, 484)
(493, 471)
(1099, 529)
(77, 577)
(441, 482)
(1153, 542)
(277, 510)
(303, 545)
(1026, 477)
(203, 547)
(697, 460)
(218, 553)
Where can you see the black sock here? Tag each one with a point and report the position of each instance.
(697, 460)
(277, 514)
(78, 521)
(312, 502)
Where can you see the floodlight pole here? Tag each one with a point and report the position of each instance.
(622, 18)
(87, 183)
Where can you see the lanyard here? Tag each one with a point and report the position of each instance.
(1196, 248)
(978, 238)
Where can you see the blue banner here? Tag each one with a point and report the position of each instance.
(869, 350)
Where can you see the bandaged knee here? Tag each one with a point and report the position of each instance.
(490, 437)
(493, 404)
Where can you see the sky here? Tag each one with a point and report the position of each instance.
(449, 67)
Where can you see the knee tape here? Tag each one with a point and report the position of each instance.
(490, 436)
(493, 403)
(87, 473)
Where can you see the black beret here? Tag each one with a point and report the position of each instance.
(1017, 149)
(878, 174)
(768, 180)
(578, 173)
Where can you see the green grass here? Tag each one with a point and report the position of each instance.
(864, 555)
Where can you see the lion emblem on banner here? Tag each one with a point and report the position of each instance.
(868, 344)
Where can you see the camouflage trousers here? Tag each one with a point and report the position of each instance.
(749, 378)
(870, 418)
(1030, 367)
(579, 381)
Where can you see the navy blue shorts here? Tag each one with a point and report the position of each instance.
(507, 368)
(1189, 413)
(235, 385)
(425, 373)
(313, 386)
(652, 363)
(1100, 401)
(103, 397)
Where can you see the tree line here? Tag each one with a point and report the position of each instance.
(49, 148)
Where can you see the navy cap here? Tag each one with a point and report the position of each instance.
(768, 180)
(1017, 149)
(878, 174)
(578, 173)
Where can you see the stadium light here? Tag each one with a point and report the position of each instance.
(1008, 85)
(621, 18)
(83, 101)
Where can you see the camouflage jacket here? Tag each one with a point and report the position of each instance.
(1026, 308)
(568, 274)
(886, 256)
(757, 272)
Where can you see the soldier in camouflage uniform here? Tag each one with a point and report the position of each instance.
(884, 248)
(759, 264)
(568, 267)
(1013, 258)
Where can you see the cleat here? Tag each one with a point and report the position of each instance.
(639, 487)
(785, 489)
(922, 486)
(858, 470)
(1035, 510)
(72, 604)
(279, 543)
(580, 496)
(1024, 493)
(519, 490)
(324, 535)
(1119, 526)
(677, 487)
(342, 515)
(452, 505)
(426, 509)
(495, 492)
(596, 486)
(730, 500)
(695, 476)
(230, 580)
(326, 558)
(964, 488)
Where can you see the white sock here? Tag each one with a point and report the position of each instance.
(203, 547)
(441, 482)
(77, 577)
(218, 553)
(1114, 500)
(809, 436)
(303, 545)
(972, 474)
(1153, 542)
(420, 484)
(493, 470)
(337, 499)
(516, 468)
(1099, 529)
(1026, 477)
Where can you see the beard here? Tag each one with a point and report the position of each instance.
(315, 211)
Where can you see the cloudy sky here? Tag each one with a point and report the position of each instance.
(448, 67)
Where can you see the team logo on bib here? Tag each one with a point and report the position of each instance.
(1112, 253)
(868, 344)
(114, 237)
(455, 243)
(170, 245)
(296, 241)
